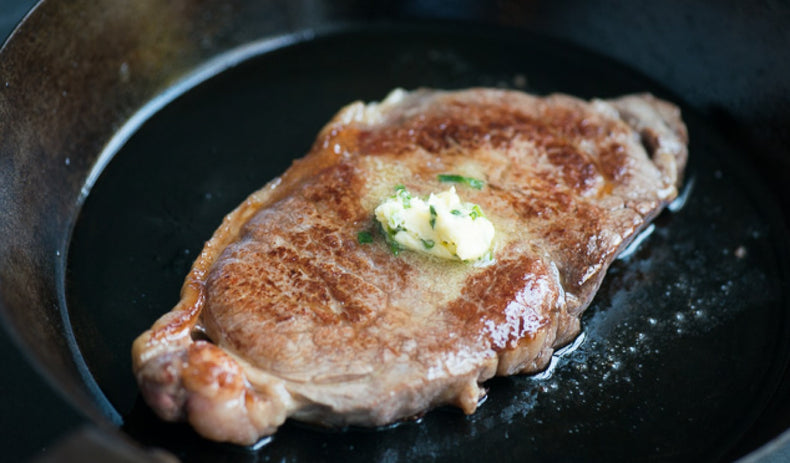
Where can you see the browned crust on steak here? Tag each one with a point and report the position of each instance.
(307, 322)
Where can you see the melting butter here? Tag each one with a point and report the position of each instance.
(442, 225)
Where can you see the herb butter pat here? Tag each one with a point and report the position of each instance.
(441, 225)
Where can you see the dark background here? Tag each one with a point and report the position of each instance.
(728, 59)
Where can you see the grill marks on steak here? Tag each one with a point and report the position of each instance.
(309, 323)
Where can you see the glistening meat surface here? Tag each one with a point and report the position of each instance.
(286, 314)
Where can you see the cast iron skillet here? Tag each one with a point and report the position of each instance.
(115, 175)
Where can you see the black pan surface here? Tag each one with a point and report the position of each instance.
(681, 350)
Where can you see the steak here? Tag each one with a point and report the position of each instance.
(286, 313)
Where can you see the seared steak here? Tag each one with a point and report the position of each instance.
(286, 313)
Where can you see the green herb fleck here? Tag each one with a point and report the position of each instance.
(476, 212)
(428, 243)
(404, 195)
(456, 212)
(405, 198)
(394, 247)
(364, 237)
(390, 238)
(475, 183)
(452, 178)
(433, 216)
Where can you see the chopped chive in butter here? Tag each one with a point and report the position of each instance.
(441, 225)
(404, 195)
(394, 247)
(476, 212)
(452, 178)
